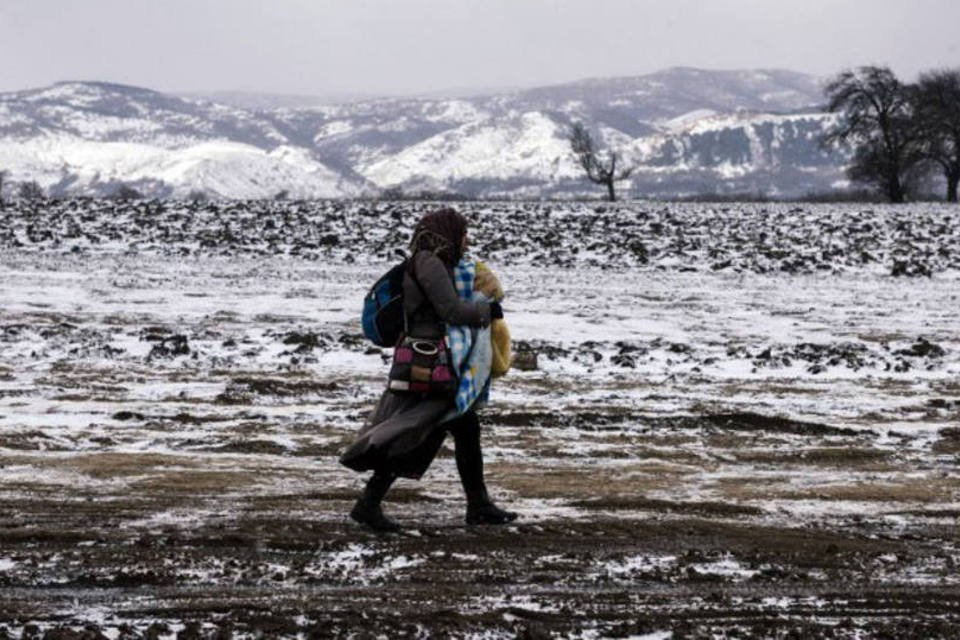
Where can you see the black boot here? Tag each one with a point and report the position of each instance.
(367, 510)
(480, 509)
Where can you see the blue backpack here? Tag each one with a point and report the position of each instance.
(382, 317)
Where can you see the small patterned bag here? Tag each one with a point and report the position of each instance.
(422, 366)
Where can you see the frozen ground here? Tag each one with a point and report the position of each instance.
(727, 435)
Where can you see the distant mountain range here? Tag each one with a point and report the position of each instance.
(687, 131)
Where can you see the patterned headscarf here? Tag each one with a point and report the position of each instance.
(440, 232)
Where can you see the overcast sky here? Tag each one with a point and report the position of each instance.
(325, 47)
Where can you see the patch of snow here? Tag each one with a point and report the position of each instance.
(685, 121)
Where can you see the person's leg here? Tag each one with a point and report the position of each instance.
(367, 510)
(469, 456)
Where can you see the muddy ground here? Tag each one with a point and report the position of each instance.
(197, 545)
(697, 455)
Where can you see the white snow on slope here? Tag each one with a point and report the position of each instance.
(220, 168)
(530, 145)
(683, 122)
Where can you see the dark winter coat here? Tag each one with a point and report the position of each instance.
(403, 435)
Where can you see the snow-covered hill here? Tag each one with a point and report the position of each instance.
(738, 153)
(218, 168)
(686, 131)
(89, 138)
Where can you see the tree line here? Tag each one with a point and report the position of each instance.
(899, 133)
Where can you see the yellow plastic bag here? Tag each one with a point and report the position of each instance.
(486, 282)
(502, 356)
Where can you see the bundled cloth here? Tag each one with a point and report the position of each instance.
(477, 353)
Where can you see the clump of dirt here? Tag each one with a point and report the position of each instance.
(596, 419)
(32, 440)
(522, 418)
(910, 268)
(615, 503)
(746, 421)
(167, 344)
(188, 418)
(923, 348)
(949, 441)
(524, 361)
(243, 390)
(267, 447)
(305, 341)
(154, 334)
(125, 415)
(851, 455)
(170, 347)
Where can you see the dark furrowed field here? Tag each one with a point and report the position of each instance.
(701, 452)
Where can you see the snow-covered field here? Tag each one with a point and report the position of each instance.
(745, 420)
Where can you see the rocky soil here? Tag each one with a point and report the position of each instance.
(908, 240)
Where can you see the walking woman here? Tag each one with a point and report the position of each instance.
(407, 428)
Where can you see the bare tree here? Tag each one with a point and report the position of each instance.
(878, 120)
(30, 191)
(938, 117)
(598, 171)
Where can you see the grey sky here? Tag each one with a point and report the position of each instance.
(413, 46)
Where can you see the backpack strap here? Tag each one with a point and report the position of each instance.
(416, 281)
